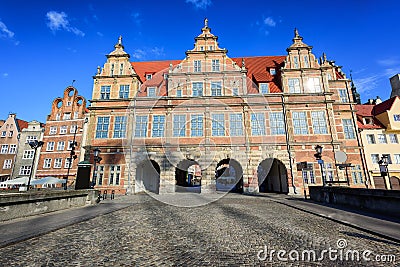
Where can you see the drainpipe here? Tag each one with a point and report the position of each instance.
(287, 141)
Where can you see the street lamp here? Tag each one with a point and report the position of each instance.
(318, 157)
(71, 155)
(384, 169)
(34, 145)
(97, 159)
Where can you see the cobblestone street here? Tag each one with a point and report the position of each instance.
(230, 231)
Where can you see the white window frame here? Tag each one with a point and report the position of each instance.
(53, 130)
(218, 124)
(151, 91)
(264, 88)
(25, 170)
(28, 154)
(7, 164)
(370, 139)
(179, 125)
(300, 123)
(158, 126)
(314, 85)
(60, 145)
(63, 129)
(50, 146)
(294, 85)
(382, 139)
(216, 88)
(196, 65)
(4, 149)
(57, 163)
(47, 163)
(319, 122)
(215, 65)
(12, 149)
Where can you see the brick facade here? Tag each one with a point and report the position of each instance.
(254, 116)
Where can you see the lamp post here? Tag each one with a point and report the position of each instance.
(318, 157)
(97, 159)
(383, 167)
(71, 155)
(34, 145)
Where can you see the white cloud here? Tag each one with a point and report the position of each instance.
(5, 75)
(157, 51)
(389, 62)
(270, 22)
(59, 21)
(136, 18)
(100, 34)
(370, 83)
(202, 4)
(139, 54)
(5, 32)
(148, 53)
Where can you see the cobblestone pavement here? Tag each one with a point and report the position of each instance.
(228, 232)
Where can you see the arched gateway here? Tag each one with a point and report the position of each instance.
(229, 176)
(148, 176)
(272, 176)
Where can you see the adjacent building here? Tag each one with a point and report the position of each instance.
(9, 134)
(25, 154)
(379, 126)
(63, 137)
(243, 121)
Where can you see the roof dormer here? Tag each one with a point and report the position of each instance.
(300, 55)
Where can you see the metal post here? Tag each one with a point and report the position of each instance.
(70, 157)
(30, 174)
(94, 175)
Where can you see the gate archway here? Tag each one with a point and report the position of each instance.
(188, 176)
(272, 176)
(148, 176)
(229, 176)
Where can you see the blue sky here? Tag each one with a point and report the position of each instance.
(45, 45)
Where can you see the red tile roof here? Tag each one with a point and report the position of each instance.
(384, 106)
(257, 71)
(366, 111)
(21, 124)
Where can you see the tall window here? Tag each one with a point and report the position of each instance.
(7, 164)
(196, 126)
(57, 163)
(47, 163)
(375, 158)
(121, 69)
(105, 92)
(236, 124)
(73, 128)
(120, 127)
(294, 85)
(4, 149)
(319, 122)
(388, 157)
(63, 129)
(356, 174)
(296, 62)
(328, 171)
(218, 124)
(216, 89)
(179, 125)
(158, 125)
(124, 91)
(67, 163)
(197, 88)
(99, 174)
(50, 146)
(300, 122)
(371, 139)
(276, 123)
(25, 170)
(67, 116)
(215, 65)
(58, 116)
(53, 130)
(382, 139)
(141, 126)
(179, 92)
(28, 154)
(343, 96)
(264, 88)
(60, 145)
(235, 91)
(314, 85)
(197, 66)
(396, 158)
(393, 139)
(30, 138)
(76, 114)
(348, 129)
(306, 62)
(13, 149)
(308, 174)
(257, 124)
(102, 127)
(115, 174)
(151, 91)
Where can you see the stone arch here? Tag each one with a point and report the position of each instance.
(395, 182)
(148, 176)
(188, 176)
(229, 176)
(272, 176)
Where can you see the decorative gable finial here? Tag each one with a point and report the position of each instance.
(324, 57)
(243, 63)
(296, 33)
(206, 23)
(120, 40)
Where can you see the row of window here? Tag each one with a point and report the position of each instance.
(113, 69)
(382, 138)
(8, 149)
(105, 91)
(4, 133)
(57, 163)
(258, 127)
(375, 158)
(309, 177)
(114, 174)
(63, 129)
(60, 145)
(67, 116)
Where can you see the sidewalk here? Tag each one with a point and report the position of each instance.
(24, 228)
(369, 222)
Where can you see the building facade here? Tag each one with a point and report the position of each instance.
(379, 126)
(244, 122)
(9, 133)
(63, 135)
(25, 154)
